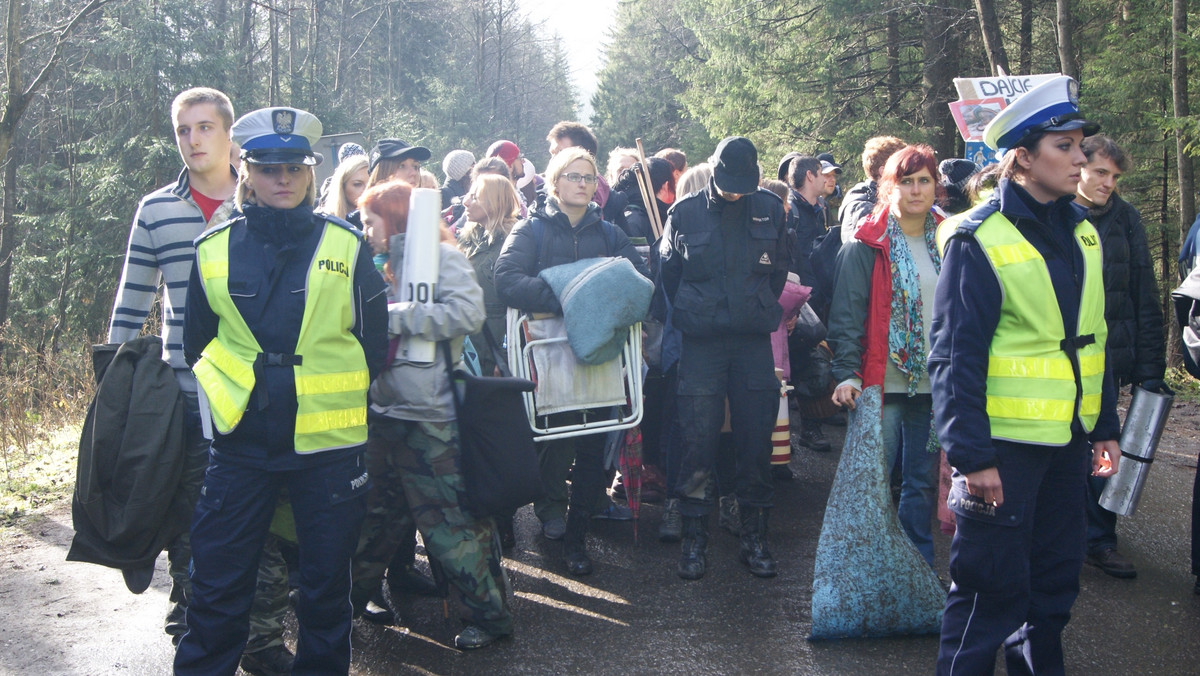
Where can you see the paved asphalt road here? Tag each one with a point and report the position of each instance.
(634, 616)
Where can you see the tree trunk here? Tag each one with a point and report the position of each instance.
(1179, 94)
(937, 76)
(273, 30)
(989, 25)
(893, 58)
(246, 80)
(1066, 48)
(1025, 58)
(8, 235)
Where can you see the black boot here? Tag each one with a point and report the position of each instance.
(508, 536)
(695, 542)
(575, 544)
(402, 575)
(671, 528)
(754, 552)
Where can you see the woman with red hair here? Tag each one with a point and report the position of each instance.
(412, 437)
(879, 326)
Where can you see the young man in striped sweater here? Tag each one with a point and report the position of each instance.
(160, 253)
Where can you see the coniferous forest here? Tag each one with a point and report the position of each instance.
(85, 129)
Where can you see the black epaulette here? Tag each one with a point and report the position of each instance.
(218, 228)
(342, 223)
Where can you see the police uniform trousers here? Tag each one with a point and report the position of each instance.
(270, 596)
(1015, 568)
(229, 528)
(711, 369)
(416, 476)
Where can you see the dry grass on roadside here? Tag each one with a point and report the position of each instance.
(42, 405)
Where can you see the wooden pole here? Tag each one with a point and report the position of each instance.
(648, 192)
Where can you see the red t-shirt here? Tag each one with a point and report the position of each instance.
(208, 206)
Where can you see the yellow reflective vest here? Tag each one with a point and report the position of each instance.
(330, 366)
(1037, 380)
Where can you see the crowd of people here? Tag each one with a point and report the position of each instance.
(998, 310)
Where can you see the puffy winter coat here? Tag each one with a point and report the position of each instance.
(1136, 347)
(546, 239)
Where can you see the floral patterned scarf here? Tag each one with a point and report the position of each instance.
(906, 330)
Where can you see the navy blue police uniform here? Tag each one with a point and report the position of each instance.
(1015, 567)
(270, 255)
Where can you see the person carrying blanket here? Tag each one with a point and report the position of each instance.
(570, 228)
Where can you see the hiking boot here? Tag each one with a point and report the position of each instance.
(407, 579)
(754, 552)
(727, 514)
(575, 545)
(508, 537)
(274, 661)
(813, 439)
(472, 638)
(1111, 562)
(378, 611)
(554, 528)
(671, 528)
(614, 512)
(692, 564)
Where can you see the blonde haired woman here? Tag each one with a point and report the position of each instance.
(272, 269)
(349, 182)
(492, 209)
(568, 229)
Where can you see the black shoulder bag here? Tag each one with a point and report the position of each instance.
(498, 459)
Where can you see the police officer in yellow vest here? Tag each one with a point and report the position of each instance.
(1023, 403)
(285, 328)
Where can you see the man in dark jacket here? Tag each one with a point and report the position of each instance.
(807, 184)
(724, 261)
(1136, 349)
(859, 202)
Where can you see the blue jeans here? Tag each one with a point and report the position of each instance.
(907, 420)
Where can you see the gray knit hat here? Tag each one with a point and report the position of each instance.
(457, 164)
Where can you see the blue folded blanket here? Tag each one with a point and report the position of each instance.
(601, 298)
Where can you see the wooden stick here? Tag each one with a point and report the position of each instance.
(651, 202)
(645, 190)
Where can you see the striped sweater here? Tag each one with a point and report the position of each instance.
(161, 251)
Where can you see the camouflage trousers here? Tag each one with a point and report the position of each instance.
(415, 476)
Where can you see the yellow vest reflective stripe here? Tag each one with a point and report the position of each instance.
(332, 378)
(1031, 381)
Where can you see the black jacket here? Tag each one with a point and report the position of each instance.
(546, 239)
(809, 223)
(857, 205)
(724, 264)
(128, 504)
(1136, 347)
